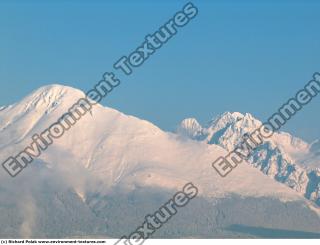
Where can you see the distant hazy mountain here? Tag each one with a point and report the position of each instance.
(283, 157)
(110, 170)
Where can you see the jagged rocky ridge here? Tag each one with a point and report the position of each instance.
(110, 169)
(285, 158)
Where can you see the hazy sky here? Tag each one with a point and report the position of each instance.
(234, 56)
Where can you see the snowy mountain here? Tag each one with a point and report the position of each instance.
(105, 174)
(283, 157)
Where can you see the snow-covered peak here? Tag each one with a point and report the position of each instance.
(107, 152)
(235, 120)
(55, 89)
(52, 94)
(286, 158)
(190, 127)
(36, 105)
(118, 149)
(227, 129)
(44, 100)
(225, 119)
(190, 123)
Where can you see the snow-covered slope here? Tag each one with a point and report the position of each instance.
(283, 157)
(108, 155)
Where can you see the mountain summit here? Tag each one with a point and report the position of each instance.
(110, 170)
(285, 158)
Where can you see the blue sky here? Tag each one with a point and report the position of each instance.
(247, 56)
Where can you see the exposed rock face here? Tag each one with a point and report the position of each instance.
(285, 158)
